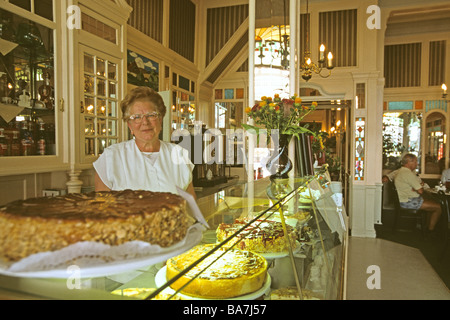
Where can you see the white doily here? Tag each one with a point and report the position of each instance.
(90, 254)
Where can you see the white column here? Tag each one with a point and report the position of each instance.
(251, 100)
(292, 72)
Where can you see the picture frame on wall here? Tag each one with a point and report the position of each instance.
(142, 71)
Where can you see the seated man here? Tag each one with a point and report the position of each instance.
(410, 191)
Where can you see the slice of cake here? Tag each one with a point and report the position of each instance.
(234, 274)
(51, 223)
(261, 236)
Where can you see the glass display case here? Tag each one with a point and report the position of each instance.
(27, 93)
(314, 265)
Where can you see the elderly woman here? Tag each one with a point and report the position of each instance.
(145, 162)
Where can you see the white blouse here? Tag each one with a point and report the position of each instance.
(123, 166)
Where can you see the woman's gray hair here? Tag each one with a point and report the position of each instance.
(142, 94)
(408, 158)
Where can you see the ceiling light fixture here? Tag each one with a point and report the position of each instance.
(308, 67)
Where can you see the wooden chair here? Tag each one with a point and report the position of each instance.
(406, 219)
(389, 208)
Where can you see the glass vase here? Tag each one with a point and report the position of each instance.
(279, 163)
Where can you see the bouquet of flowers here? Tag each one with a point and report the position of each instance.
(279, 114)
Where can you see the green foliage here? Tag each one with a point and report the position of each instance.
(279, 114)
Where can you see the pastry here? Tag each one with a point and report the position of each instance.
(234, 274)
(262, 236)
(51, 223)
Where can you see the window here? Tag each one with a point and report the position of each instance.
(401, 134)
(337, 31)
(360, 125)
(436, 138)
(436, 74)
(100, 106)
(98, 28)
(402, 64)
(221, 115)
(360, 100)
(43, 8)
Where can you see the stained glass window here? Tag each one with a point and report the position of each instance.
(360, 126)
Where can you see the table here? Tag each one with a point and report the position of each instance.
(443, 224)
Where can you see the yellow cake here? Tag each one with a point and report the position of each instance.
(262, 236)
(115, 217)
(234, 274)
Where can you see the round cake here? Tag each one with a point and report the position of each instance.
(234, 274)
(261, 236)
(115, 217)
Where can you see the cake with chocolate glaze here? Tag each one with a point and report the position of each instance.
(115, 217)
(261, 236)
(221, 275)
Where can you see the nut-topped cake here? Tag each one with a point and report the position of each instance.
(115, 217)
(261, 236)
(218, 276)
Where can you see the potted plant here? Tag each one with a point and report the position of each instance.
(334, 166)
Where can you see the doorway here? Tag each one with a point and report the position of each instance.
(332, 119)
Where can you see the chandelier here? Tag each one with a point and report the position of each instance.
(271, 60)
(272, 43)
(274, 51)
(308, 67)
(444, 91)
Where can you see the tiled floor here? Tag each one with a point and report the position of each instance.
(402, 272)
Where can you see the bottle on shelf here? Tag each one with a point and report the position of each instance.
(26, 139)
(41, 141)
(33, 130)
(3, 144)
(15, 147)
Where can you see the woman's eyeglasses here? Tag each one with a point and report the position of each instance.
(137, 118)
